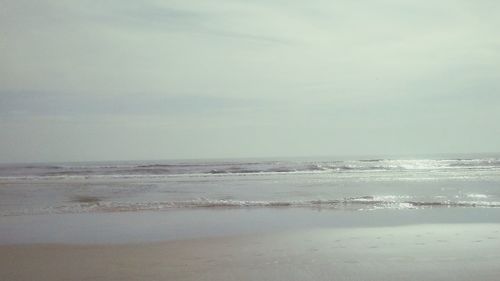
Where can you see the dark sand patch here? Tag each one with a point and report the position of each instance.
(86, 199)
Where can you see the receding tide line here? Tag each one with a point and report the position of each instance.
(358, 203)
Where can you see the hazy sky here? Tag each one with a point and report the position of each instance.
(110, 80)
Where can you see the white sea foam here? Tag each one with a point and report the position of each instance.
(480, 196)
(363, 203)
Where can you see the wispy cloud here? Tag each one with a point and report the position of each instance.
(38, 104)
(303, 78)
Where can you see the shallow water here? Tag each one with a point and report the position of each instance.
(181, 224)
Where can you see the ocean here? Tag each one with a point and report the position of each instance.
(326, 183)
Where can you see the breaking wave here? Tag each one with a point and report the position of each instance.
(355, 204)
(244, 167)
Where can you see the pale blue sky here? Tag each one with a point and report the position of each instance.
(113, 80)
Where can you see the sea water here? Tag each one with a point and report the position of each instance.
(326, 183)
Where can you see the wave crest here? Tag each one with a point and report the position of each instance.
(354, 203)
(234, 168)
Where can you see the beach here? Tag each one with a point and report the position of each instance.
(373, 219)
(249, 140)
(266, 244)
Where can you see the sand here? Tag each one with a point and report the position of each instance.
(437, 251)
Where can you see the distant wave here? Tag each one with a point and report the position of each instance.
(231, 168)
(475, 162)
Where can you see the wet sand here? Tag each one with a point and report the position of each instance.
(424, 251)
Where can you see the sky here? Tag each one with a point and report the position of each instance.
(96, 80)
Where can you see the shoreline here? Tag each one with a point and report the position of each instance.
(266, 244)
(405, 252)
(157, 226)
